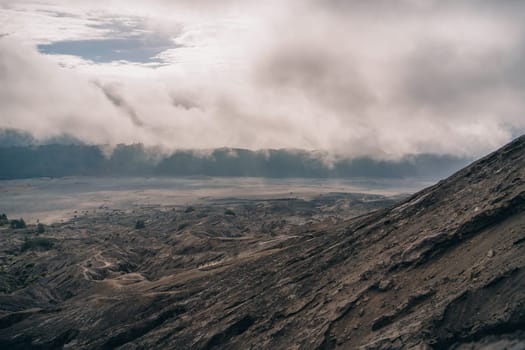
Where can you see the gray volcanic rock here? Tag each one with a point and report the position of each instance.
(444, 268)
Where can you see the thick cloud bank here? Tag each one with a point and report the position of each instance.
(375, 78)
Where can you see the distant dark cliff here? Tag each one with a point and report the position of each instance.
(58, 160)
(22, 156)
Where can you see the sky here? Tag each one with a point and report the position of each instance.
(377, 78)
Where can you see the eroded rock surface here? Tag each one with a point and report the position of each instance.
(444, 268)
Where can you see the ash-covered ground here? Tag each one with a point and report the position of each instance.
(441, 269)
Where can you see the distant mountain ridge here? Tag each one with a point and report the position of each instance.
(22, 156)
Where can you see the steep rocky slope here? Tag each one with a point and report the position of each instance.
(444, 268)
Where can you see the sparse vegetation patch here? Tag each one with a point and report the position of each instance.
(40, 228)
(3, 220)
(16, 224)
(38, 243)
(229, 212)
(140, 224)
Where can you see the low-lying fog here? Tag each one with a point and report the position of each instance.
(55, 199)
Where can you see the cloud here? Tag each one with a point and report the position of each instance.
(38, 96)
(181, 100)
(354, 78)
(110, 91)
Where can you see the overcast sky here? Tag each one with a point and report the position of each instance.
(376, 78)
